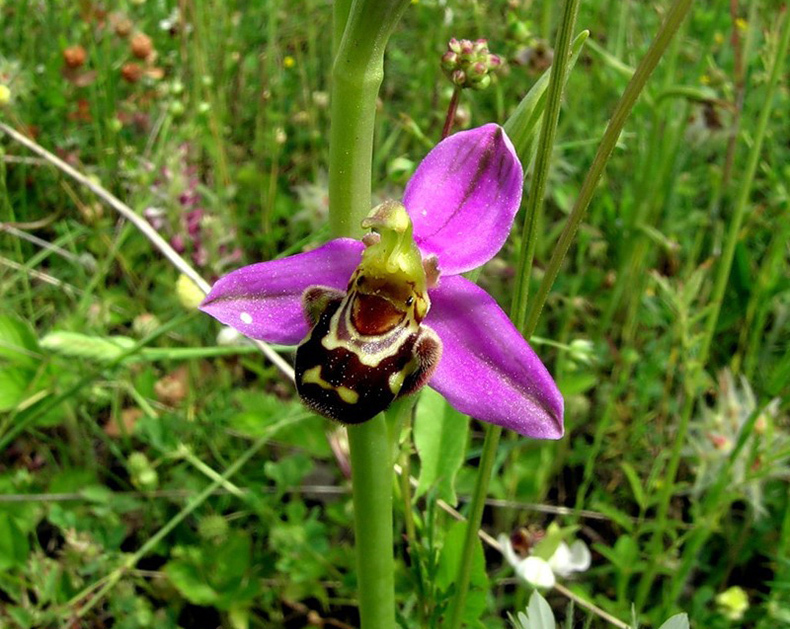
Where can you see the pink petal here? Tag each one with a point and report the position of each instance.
(487, 369)
(264, 300)
(463, 198)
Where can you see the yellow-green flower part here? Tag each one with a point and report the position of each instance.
(5, 95)
(733, 602)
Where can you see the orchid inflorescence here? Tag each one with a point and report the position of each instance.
(377, 319)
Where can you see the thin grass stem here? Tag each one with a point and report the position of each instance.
(518, 310)
(672, 22)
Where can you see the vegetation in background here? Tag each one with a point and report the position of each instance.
(156, 471)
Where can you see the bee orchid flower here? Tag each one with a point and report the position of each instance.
(379, 318)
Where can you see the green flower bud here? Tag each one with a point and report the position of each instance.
(449, 61)
(143, 474)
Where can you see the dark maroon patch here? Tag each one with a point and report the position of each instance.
(372, 315)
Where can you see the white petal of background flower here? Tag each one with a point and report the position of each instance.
(581, 559)
(537, 572)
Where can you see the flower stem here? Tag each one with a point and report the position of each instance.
(356, 77)
(451, 109)
(371, 465)
(473, 520)
(361, 32)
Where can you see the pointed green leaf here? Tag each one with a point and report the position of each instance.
(635, 483)
(440, 435)
(74, 344)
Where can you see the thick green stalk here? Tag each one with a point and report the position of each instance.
(626, 103)
(371, 465)
(356, 77)
(340, 12)
(720, 285)
(493, 433)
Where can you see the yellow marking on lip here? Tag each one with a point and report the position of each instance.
(313, 376)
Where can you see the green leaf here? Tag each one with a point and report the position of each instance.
(19, 360)
(450, 558)
(288, 472)
(21, 616)
(13, 387)
(636, 484)
(447, 572)
(678, 621)
(18, 343)
(538, 614)
(186, 578)
(227, 564)
(624, 555)
(440, 435)
(622, 519)
(239, 617)
(575, 383)
(14, 546)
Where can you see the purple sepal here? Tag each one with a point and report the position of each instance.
(264, 301)
(487, 369)
(463, 197)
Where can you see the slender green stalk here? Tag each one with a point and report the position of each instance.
(541, 172)
(537, 190)
(473, 520)
(720, 285)
(357, 74)
(759, 304)
(745, 187)
(626, 103)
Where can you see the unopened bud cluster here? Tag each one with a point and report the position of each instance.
(469, 63)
